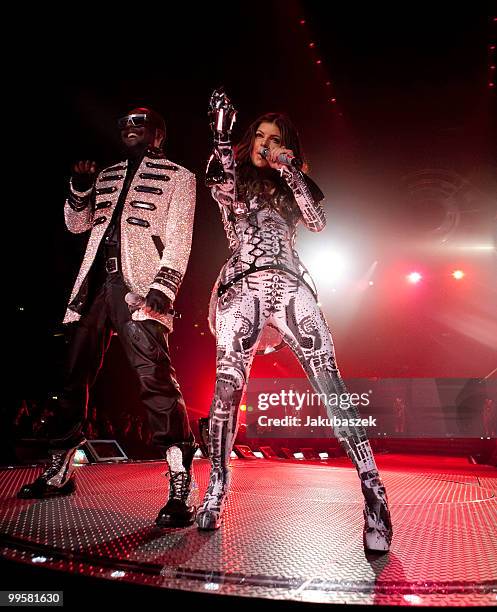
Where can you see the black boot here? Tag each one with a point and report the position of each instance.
(179, 510)
(57, 479)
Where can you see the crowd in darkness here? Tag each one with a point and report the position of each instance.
(25, 423)
(130, 430)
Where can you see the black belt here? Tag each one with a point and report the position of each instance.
(111, 265)
(253, 269)
(111, 259)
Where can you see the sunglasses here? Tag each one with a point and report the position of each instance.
(135, 120)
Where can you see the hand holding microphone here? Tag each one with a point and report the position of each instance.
(279, 157)
(155, 303)
(134, 301)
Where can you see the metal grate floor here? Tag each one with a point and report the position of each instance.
(292, 530)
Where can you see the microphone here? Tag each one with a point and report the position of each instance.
(283, 158)
(135, 302)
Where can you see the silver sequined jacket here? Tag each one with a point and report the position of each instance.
(156, 228)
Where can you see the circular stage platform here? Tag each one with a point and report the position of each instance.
(292, 532)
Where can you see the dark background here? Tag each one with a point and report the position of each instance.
(412, 96)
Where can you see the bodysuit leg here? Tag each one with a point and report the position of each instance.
(238, 327)
(305, 330)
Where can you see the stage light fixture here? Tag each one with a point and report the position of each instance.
(80, 457)
(309, 453)
(268, 452)
(97, 451)
(243, 452)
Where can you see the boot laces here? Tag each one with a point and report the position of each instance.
(179, 485)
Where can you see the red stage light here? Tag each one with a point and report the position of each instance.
(414, 277)
(458, 274)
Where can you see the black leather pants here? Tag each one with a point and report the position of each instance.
(146, 346)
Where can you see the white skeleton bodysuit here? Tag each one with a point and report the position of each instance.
(263, 284)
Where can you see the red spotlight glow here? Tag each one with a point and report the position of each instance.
(414, 277)
(458, 274)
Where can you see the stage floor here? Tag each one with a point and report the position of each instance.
(292, 531)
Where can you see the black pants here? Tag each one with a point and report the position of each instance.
(146, 346)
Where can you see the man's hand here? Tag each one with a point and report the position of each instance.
(83, 175)
(157, 302)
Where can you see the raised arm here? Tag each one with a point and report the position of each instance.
(220, 173)
(79, 209)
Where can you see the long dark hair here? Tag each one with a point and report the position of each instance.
(266, 183)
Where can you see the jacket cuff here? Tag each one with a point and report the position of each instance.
(80, 194)
(168, 281)
(167, 292)
(78, 200)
